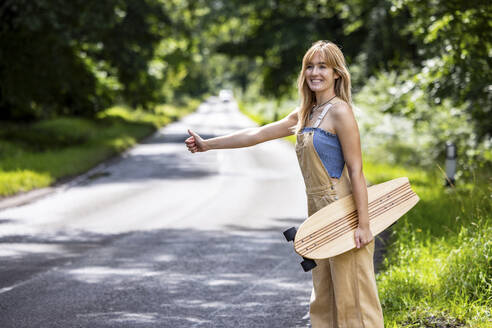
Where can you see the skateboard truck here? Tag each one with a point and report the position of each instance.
(307, 264)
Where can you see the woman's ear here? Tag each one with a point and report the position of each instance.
(335, 74)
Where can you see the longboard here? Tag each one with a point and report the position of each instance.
(330, 231)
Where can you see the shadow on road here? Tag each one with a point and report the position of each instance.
(163, 278)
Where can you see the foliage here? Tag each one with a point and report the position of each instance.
(454, 40)
(81, 56)
(423, 65)
(276, 35)
(42, 135)
(76, 57)
(418, 133)
(446, 44)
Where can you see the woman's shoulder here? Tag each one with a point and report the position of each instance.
(341, 108)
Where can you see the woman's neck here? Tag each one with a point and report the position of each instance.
(324, 96)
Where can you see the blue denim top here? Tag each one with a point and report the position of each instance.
(329, 150)
(327, 146)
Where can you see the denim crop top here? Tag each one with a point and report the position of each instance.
(329, 150)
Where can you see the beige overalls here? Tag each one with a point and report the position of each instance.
(344, 291)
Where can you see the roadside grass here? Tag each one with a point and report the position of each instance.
(438, 266)
(437, 270)
(39, 154)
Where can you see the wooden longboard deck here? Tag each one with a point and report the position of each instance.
(330, 231)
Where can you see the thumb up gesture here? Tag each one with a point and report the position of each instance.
(195, 143)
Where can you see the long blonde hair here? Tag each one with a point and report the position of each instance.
(333, 57)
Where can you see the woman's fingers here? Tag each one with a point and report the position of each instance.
(194, 135)
(357, 238)
(190, 140)
(195, 143)
(362, 237)
(191, 143)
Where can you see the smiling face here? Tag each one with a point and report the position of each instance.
(319, 77)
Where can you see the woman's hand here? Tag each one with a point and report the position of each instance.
(195, 143)
(363, 236)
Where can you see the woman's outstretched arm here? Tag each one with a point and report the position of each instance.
(244, 138)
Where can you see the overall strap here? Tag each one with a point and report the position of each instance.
(323, 113)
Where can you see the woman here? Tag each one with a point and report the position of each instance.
(328, 149)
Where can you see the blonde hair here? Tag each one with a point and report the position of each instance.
(333, 57)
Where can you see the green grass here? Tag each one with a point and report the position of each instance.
(438, 267)
(39, 154)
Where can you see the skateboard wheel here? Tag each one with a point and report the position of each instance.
(308, 264)
(290, 234)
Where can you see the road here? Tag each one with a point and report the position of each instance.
(160, 237)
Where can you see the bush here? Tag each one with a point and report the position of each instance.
(50, 134)
(395, 118)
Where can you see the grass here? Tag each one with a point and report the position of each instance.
(438, 266)
(438, 269)
(39, 154)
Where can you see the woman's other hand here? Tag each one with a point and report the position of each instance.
(195, 143)
(363, 237)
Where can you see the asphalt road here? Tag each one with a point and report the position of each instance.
(160, 237)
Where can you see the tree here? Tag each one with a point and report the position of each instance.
(76, 57)
(455, 43)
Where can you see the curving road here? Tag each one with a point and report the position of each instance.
(160, 237)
